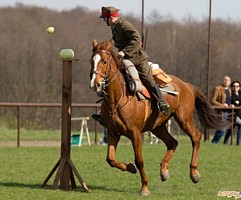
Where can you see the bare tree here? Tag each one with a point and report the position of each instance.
(31, 70)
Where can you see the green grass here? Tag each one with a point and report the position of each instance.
(28, 135)
(10, 135)
(24, 169)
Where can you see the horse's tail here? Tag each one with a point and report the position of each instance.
(208, 117)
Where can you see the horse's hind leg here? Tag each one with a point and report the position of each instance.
(189, 128)
(162, 133)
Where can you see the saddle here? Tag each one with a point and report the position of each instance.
(167, 88)
(161, 78)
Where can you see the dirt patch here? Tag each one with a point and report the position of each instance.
(31, 144)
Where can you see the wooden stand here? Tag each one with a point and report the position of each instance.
(84, 127)
(66, 170)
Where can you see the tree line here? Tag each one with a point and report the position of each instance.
(32, 72)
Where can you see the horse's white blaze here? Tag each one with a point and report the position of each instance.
(96, 60)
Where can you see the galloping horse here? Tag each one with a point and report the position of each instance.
(123, 114)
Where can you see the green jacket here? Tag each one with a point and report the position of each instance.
(128, 40)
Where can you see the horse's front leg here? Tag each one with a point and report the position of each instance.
(137, 146)
(113, 141)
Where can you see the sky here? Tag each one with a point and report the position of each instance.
(178, 9)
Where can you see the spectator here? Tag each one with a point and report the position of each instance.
(235, 101)
(103, 141)
(222, 97)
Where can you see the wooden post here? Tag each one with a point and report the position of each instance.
(18, 126)
(206, 134)
(66, 170)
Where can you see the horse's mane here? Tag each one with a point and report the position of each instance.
(102, 46)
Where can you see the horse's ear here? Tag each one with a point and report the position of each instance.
(94, 42)
(109, 45)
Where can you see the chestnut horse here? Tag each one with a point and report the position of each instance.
(123, 114)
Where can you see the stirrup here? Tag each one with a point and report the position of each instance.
(163, 107)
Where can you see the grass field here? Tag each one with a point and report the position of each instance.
(24, 169)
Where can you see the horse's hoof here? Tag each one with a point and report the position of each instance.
(165, 175)
(195, 178)
(145, 193)
(131, 168)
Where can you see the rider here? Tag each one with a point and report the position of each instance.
(128, 42)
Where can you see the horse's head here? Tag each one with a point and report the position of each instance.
(100, 65)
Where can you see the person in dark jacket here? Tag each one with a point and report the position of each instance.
(128, 42)
(236, 102)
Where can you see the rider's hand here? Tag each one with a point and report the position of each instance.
(121, 54)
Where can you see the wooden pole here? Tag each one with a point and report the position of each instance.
(209, 50)
(206, 135)
(18, 127)
(66, 121)
(142, 24)
(66, 170)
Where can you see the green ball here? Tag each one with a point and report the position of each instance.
(67, 54)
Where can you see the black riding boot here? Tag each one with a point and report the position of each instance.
(162, 106)
(97, 118)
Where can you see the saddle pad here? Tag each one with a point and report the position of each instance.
(168, 87)
(144, 94)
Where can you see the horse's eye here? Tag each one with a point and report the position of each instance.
(104, 62)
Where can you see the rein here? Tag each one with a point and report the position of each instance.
(107, 82)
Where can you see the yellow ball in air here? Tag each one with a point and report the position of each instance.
(50, 30)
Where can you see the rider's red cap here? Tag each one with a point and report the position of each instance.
(109, 11)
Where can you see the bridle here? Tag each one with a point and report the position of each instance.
(106, 82)
(106, 76)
